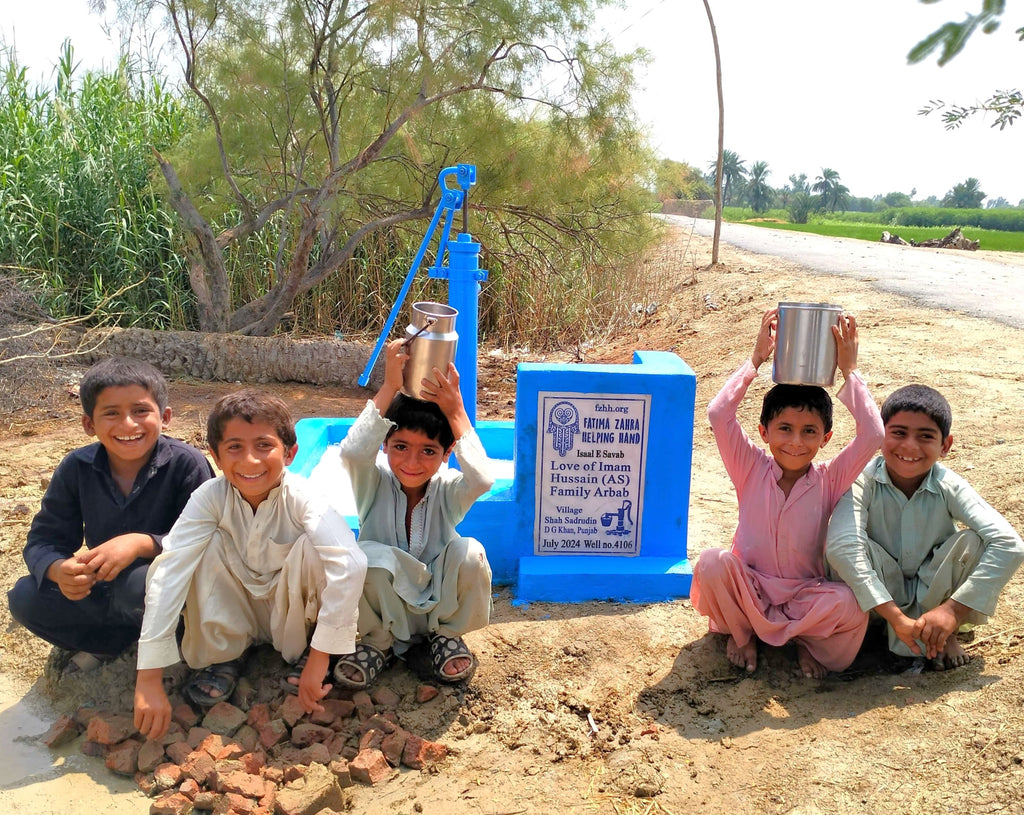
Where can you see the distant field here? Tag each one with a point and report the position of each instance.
(990, 239)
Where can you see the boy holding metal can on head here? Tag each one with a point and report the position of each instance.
(770, 585)
(426, 585)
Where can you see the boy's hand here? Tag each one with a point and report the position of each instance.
(112, 557)
(395, 357)
(846, 343)
(934, 627)
(152, 707)
(74, 578)
(445, 393)
(902, 625)
(765, 344)
(311, 683)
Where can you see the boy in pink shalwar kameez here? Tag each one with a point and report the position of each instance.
(770, 585)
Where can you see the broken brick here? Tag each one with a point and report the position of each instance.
(123, 758)
(224, 718)
(370, 766)
(109, 728)
(424, 693)
(419, 753)
(173, 803)
(62, 731)
(151, 755)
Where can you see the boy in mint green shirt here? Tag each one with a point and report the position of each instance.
(918, 546)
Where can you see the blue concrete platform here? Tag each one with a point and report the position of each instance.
(593, 499)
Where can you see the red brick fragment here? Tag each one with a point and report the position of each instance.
(378, 723)
(274, 732)
(224, 718)
(259, 715)
(364, 704)
(306, 734)
(62, 731)
(242, 783)
(196, 735)
(178, 752)
(385, 697)
(190, 788)
(369, 767)
(198, 765)
(109, 728)
(232, 803)
(185, 716)
(341, 771)
(123, 758)
(151, 755)
(419, 753)
(291, 710)
(167, 776)
(424, 693)
(173, 803)
(393, 746)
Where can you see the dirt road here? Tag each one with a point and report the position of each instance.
(981, 284)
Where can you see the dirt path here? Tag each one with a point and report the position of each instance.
(673, 720)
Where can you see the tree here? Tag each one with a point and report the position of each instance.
(950, 39)
(720, 159)
(831, 189)
(897, 199)
(997, 203)
(966, 195)
(328, 122)
(759, 192)
(681, 181)
(734, 174)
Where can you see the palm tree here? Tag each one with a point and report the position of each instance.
(966, 195)
(831, 189)
(734, 173)
(758, 190)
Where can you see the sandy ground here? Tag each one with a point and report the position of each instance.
(677, 728)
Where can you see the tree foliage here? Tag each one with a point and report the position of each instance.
(681, 181)
(965, 195)
(759, 191)
(329, 120)
(833, 193)
(949, 40)
(734, 174)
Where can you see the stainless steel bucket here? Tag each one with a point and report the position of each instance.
(805, 349)
(431, 341)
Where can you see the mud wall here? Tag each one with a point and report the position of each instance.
(234, 358)
(688, 209)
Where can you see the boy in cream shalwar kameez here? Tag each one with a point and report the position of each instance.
(256, 556)
(424, 581)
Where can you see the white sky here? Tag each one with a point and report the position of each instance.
(808, 84)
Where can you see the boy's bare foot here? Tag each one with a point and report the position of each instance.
(952, 656)
(742, 656)
(809, 666)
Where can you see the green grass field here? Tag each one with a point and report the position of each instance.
(990, 239)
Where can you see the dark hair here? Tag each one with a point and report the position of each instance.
(253, 406)
(920, 399)
(120, 372)
(416, 414)
(802, 397)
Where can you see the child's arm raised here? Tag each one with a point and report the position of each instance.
(846, 344)
(765, 343)
(395, 358)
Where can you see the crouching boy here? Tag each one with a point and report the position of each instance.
(426, 585)
(918, 546)
(121, 494)
(255, 557)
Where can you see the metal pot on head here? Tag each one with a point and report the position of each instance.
(805, 348)
(430, 342)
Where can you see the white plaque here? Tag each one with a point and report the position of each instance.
(591, 454)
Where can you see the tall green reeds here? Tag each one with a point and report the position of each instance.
(79, 216)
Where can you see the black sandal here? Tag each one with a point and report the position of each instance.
(221, 677)
(442, 651)
(366, 659)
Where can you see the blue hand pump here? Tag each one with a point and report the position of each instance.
(463, 274)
